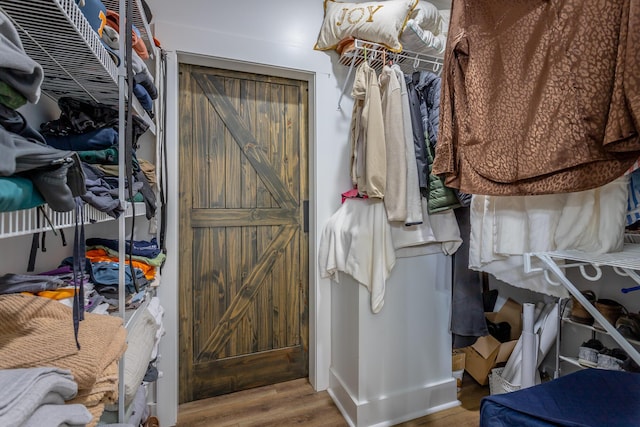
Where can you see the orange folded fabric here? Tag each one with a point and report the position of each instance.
(97, 255)
(113, 20)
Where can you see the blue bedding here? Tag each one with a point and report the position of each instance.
(592, 397)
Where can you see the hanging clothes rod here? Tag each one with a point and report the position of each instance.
(377, 56)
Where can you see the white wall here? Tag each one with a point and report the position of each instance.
(274, 37)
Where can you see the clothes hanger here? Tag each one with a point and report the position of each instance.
(416, 63)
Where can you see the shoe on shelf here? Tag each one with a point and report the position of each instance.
(610, 309)
(578, 313)
(588, 353)
(629, 326)
(612, 359)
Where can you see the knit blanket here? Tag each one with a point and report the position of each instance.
(105, 390)
(39, 332)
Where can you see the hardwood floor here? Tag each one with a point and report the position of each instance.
(296, 403)
(465, 415)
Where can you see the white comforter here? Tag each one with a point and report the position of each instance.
(504, 228)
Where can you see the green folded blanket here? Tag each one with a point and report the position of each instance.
(18, 193)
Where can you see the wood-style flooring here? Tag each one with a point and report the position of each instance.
(296, 403)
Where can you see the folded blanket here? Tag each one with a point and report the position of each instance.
(155, 262)
(22, 391)
(59, 415)
(98, 139)
(140, 247)
(138, 355)
(18, 193)
(15, 283)
(104, 391)
(30, 322)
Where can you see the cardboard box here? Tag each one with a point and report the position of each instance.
(487, 352)
(457, 367)
(457, 360)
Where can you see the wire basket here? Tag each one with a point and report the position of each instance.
(498, 385)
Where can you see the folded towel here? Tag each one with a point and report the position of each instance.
(59, 415)
(22, 391)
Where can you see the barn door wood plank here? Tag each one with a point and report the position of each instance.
(185, 390)
(245, 295)
(214, 91)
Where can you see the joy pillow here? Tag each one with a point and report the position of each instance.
(379, 22)
(426, 16)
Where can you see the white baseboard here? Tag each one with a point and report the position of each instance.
(395, 407)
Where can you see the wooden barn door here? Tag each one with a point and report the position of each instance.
(243, 244)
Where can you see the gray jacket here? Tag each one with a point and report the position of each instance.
(17, 69)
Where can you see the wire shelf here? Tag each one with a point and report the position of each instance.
(377, 56)
(56, 34)
(628, 258)
(624, 263)
(23, 222)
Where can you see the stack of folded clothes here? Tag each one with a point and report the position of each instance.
(91, 131)
(36, 397)
(31, 322)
